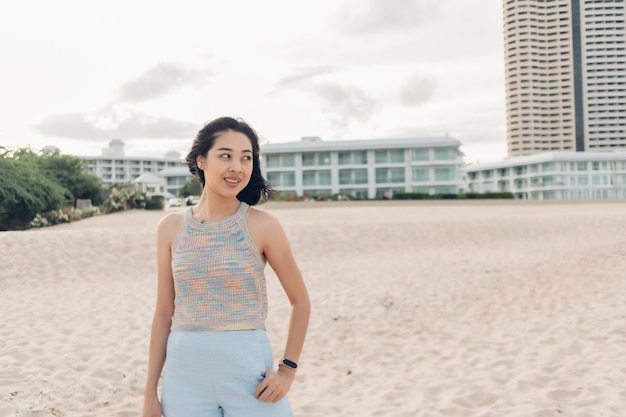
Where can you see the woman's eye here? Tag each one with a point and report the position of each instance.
(225, 156)
(247, 158)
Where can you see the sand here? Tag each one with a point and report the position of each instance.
(460, 309)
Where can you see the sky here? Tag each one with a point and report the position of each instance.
(77, 74)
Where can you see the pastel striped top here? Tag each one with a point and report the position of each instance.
(219, 277)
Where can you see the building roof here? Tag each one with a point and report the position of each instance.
(548, 157)
(174, 172)
(362, 144)
(147, 178)
(129, 158)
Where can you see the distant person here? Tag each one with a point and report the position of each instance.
(208, 332)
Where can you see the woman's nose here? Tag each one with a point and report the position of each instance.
(235, 166)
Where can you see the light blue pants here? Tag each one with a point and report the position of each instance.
(211, 374)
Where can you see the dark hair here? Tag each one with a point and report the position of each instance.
(257, 187)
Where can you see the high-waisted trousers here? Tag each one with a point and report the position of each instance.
(211, 374)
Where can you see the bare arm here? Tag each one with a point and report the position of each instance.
(162, 319)
(277, 251)
(280, 257)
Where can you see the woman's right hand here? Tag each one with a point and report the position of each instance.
(151, 407)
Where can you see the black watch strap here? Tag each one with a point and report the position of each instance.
(289, 363)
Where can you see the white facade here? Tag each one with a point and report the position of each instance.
(603, 51)
(554, 176)
(565, 65)
(114, 167)
(365, 169)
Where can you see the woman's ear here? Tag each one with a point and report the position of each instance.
(200, 161)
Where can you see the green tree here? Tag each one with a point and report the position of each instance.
(69, 172)
(25, 190)
(191, 187)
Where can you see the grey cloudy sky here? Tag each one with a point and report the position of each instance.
(78, 74)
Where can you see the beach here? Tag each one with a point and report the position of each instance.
(425, 308)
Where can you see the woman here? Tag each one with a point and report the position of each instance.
(209, 320)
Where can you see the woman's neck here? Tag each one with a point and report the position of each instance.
(212, 209)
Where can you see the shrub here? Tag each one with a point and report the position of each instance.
(124, 199)
(411, 196)
(156, 202)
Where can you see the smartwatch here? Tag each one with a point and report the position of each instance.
(290, 364)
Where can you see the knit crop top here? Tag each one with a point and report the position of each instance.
(219, 278)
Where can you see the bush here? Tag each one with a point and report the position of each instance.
(156, 202)
(62, 216)
(424, 196)
(25, 191)
(124, 199)
(411, 196)
(490, 195)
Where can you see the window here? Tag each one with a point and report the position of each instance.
(420, 155)
(323, 177)
(381, 175)
(308, 159)
(385, 175)
(445, 154)
(345, 158)
(380, 157)
(310, 178)
(315, 158)
(287, 160)
(360, 176)
(445, 174)
(394, 156)
(360, 157)
(353, 158)
(352, 176)
(397, 174)
(421, 174)
(282, 179)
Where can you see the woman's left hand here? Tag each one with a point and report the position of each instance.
(275, 385)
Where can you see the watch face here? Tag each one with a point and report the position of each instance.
(290, 363)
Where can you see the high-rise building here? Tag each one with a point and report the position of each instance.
(565, 63)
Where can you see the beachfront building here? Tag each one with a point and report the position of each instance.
(113, 167)
(365, 169)
(554, 176)
(565, 69)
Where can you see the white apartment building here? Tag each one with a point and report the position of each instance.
(114, 167)
(554, 176)
(565, 65)
(365, 169)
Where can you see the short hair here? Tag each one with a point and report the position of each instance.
(258, 187)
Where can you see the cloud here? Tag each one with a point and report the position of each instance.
(344, 102)
(301, 76)
(110, 123)
(375, 16)
(417, 90)
(160, 80)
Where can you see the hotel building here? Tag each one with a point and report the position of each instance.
(565, 65)
(554, 176)
(365, 169)
(380, 168)
(113, 167)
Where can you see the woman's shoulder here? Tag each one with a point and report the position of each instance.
(261, 219)
(170, 224)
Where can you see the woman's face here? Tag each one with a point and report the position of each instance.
(228, 164)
